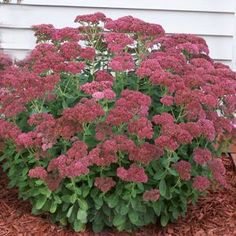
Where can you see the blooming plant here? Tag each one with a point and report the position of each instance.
(114, 123)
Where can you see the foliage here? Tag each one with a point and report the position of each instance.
(114, 123)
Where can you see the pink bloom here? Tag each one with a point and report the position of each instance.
(102, 75)
(77, 168)
(38, 172)
(103, 131)
(87, 110)
(167, 100)
(91, 18)
(117, 41)
(43, 32)
(104, 154)
(130, 104)
(133, 174)
(141, 127)
(122, 62)
(218, 170)
(145, 153)
(118, 115)
(87, 53)
(207, 128)
(109, 94)
(166, 142)
(78, 150)
(164, 118)
(66, 34)
(70, 50)
(184, 169)
(151, 195)
(131, 24)
(96, 86)
(124, 144)
(98, 95)
(201, 155)
(104, 183)
(182, 136)
(201, 183)
(73, 67)
(26, 139)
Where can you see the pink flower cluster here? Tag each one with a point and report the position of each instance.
(99, 90)
(151, 195)
(130, 104)
(117, 42)
(202, 156)
(218, 171)
(132, 174)
(122, 62)
(91, 18)
(201, 183)
(134, 25)
(104, 183)
(184, 169)
(145, 153)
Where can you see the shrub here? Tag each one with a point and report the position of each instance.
(114, 123)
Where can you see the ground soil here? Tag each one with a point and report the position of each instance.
(214, 214)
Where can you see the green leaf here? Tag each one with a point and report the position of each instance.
(107, 210)
(66, 198)
(39, 182)
(98, 202)
(175, 214)
(98, 224)
(73, 198)
(40, 202)
(85, 191)
(82, 216)
(137, 205)
(124, 209)
(83, 204)
(164, 220)
(112, 201)
(159, 175)
(69, 212)
(175, 157)
(45, 191)
(133, 217)
(173, 172)
(157, 207)
(53, 207)
(119, 220)
(57, 199)
(162, 187)
(78, 226)
(65, 206)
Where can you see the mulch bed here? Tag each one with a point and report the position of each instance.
(215, 214)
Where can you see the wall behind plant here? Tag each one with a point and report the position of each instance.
(215, 20)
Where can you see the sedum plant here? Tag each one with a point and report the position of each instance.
(114, 122)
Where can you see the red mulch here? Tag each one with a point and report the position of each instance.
(215, 214)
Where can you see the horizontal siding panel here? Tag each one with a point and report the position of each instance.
(179, 5)
(16, 53)
(220, 47)
(17, 38)
(179, 22)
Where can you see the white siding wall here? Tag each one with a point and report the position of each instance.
(215, 20)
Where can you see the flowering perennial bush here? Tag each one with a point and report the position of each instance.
(114, 122)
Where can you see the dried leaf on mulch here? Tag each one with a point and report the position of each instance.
(214, 214)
